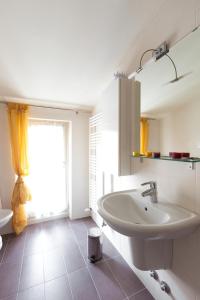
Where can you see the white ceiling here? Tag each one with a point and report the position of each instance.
(66, 50)
(157, 97)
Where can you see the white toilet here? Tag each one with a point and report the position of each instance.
(5, 216)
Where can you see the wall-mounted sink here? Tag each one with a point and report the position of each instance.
(147, 229)
(132, 215)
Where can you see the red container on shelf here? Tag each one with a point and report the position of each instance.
(176, 155)
(185, 155)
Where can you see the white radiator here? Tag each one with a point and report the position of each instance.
(95, 174)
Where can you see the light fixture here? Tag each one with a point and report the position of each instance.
(157, 53)
(140, 68)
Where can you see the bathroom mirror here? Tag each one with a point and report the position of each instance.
(173, 109)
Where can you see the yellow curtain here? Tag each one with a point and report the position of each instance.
(18, 121)
(144, 135)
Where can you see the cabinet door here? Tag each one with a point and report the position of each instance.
(120, 106)
(110, 128)
(129, 124)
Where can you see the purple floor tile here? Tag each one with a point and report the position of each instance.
(75, 221)
(9, 279)
(14, 250)
(34, 244)
(78, 227)
(13, 297)
(54, 265)
(89, 222)
(49, 224)
(72, 256)
(34, 293)
(144, 295)
(105, 283)
(109, 251)
(80, 233)
(126, 277)
(50, 252)
(32, 272)
(83, 247)
(82, 285)
(55, 235)
(34, 229)
(58, 289)
(62, 231)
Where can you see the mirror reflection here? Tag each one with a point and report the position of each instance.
(171, 110)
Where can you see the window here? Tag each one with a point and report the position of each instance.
(48, 168)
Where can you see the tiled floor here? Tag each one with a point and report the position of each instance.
(49, 261)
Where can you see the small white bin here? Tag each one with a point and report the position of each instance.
(94, 244)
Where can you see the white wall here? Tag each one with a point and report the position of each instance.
(173, 20)
(79, 157)
(176, 181)
(180, 129)
(7, 176)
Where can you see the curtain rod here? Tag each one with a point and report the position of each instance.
(76, 111)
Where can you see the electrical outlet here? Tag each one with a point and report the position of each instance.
(161, 51)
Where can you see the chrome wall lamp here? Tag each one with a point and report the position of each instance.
(157, 53)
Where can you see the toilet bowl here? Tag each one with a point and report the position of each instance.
(5, 216)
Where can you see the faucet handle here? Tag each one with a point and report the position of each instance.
(152, 184)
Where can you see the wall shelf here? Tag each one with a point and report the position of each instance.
(191, 160)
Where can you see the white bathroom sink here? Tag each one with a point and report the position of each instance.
(5, 216)
(130, 214)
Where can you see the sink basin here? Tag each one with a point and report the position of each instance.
(5, 216)
(132, 215)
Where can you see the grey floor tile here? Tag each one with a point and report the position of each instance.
(82, 285)
(126, 277)
(34, 293)
(58, 289)
(105, 283)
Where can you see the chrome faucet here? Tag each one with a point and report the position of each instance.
(152, 192)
